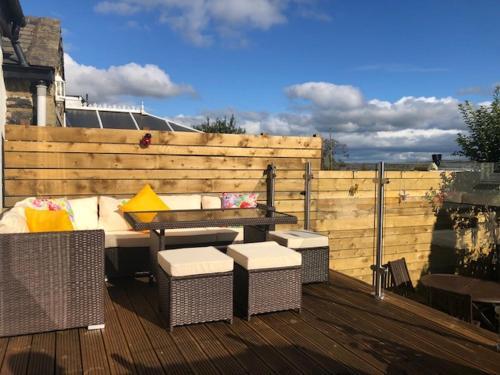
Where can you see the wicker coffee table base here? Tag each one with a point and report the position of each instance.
(195, 299)
(267, 290)
(315, 264)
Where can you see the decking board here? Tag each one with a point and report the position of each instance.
(43, 348)
(425, 332)
(341, 330)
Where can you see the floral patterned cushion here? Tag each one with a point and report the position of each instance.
(235, 200)
(55, 204)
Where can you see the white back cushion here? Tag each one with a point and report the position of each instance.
(14, 221)
(24, 203)
(210, 202)
(182, 202)
(85, 213)
(110, 217)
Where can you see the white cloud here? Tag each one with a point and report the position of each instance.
(121, 8)
(327, 95)
(260, 13)
(332, 106)
(201, 21)
(408, 129)
(116, 82)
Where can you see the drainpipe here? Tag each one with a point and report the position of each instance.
(41, 104)
(16, 44)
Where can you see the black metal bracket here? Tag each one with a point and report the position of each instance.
(385, 181)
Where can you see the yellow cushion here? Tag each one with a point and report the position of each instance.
(145, 200)
(48, 221)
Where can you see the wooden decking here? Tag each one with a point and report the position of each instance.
(340, 330)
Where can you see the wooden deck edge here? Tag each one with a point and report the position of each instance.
(470, 331)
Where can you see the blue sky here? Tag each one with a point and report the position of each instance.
(383, 76)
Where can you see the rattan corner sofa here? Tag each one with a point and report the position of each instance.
(51, 281)
(126, 252)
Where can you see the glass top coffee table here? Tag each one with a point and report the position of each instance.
(172, 219)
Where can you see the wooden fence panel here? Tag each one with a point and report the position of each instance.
(346, 213)
(81, 162)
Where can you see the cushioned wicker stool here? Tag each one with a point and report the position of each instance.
(267, 278)
(195, 286)
(314, 249)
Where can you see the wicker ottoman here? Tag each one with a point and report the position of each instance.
(314, 249)
(267, 278)
(195, 286)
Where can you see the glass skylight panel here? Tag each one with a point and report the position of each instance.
(178, 128)
(81, 119)
(151, 123)
(117, 120)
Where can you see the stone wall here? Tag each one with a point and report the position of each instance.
(21, 103)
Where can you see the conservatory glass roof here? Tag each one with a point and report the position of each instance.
(88, 116)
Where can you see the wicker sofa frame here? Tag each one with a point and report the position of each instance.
(195, 299)
(267, 290)
(51, 281)
(315, 264)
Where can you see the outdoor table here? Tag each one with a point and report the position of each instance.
(481, 291)
(256, 222)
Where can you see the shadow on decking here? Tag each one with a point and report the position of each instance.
(399, 359)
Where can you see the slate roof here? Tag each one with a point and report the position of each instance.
(40, 40)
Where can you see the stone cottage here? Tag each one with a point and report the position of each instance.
(35, 91)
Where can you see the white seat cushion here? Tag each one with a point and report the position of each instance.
(262, 255)
(126, 238)
(173, 237)
(194, 261)
(298, 239)
(182, 202)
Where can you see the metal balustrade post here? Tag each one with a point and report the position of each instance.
(270, 174)
(307, 196)
(378, 269)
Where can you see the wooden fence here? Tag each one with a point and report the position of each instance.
(345, 210)
(79, 162)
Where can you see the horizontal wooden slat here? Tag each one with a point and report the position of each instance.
(105, 148)
(366, 262)
(141, 174)
(126, 161)
(367, 184)
(354, 243)
(110, 187)
(369, 222)
(388, 174)
(343, 194)
(82, 135)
